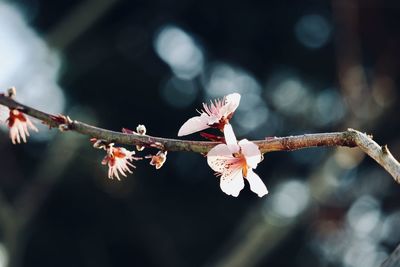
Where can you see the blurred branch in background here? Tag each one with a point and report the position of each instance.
(78, 21)
(17, 216)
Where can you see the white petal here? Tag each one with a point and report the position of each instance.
(31, 125)
(14, 135)
(115, 172)
(251, 152)
(256, 184)
(230, 139)
(232, 183)
(231, 103)
(22, 130)
(218, 157)
(193, 125)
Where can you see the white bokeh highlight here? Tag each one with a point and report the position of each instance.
(180, 51)
(30, 65)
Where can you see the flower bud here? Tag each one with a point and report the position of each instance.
(141, 129)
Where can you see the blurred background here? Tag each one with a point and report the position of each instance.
(301, 67)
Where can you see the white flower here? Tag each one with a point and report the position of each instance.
(118, 161)
(234, 161)
(217, 114)
(18, 124)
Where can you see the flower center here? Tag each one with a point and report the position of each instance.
(242, 162)
(118, 153)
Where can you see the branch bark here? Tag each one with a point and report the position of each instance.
(349, 138)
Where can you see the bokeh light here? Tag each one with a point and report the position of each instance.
(288, 93)
(329, 108)
(179, 93)
(390, 233)
(221, 79)
(180, 51)
(364, 215)
(30, 65)
(313, 31)
(3, 256)
(289, 200)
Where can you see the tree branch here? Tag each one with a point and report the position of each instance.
(349, 138)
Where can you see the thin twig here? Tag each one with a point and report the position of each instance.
(380, 154)
(349, 138)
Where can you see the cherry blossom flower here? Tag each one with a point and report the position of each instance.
(118, 161)
(234, 161)
(159, 159)
(18, 124)
(217, 114)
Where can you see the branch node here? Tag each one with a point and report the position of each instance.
(158, 146)
(385, 149)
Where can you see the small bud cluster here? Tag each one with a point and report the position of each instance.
(119, 159)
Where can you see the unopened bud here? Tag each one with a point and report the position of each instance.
(139, 148)
(141, 129)
(11, 92)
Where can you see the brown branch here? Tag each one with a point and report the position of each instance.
(349, 138)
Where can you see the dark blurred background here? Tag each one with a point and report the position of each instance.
(301, 67)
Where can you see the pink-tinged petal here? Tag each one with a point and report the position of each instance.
(251, 152)
(114, 172)
(31, 125)
(230, 139)
(22, 130)
(14, 135)
(231, 182)
(231, 103)
(211, 118)
(256, 184)
(193, 125)
(218, 158)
